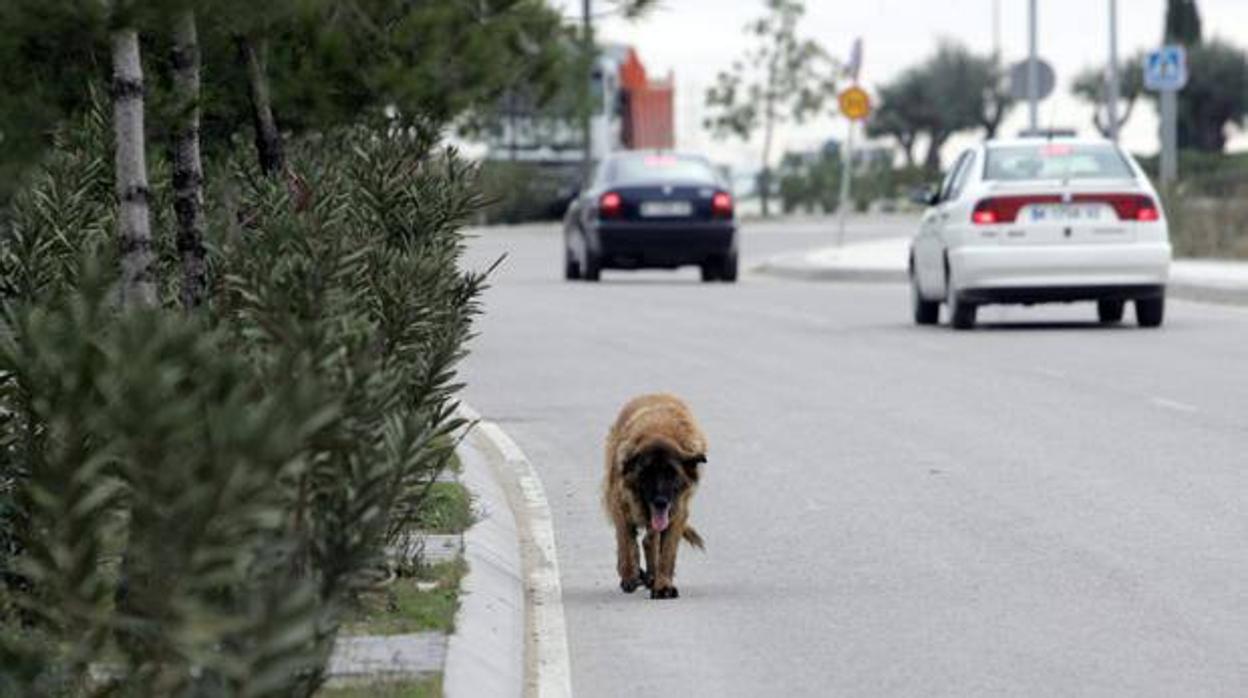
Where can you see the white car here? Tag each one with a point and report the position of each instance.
(1042, 220)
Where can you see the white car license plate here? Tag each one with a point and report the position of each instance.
(666, 209)
(1065, 213)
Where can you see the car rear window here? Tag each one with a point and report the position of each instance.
(660, 169)
(1055, 161)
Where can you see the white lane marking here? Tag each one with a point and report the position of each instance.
(1166, 403)
(549, 668)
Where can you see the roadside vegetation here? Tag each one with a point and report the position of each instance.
(231, 315)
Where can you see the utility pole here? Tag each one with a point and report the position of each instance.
(1033, 70)
(1113, 85)
(996, 31)
(587, 106)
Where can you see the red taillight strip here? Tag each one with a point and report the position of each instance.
(1004, 209)
(721, 204)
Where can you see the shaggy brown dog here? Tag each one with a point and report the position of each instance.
(654, 452)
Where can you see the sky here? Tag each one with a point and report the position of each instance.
(695, 39)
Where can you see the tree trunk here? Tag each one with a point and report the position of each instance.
(138, 288)
(932, 162)
(188, 171)
(765, 175)
(907, 149)
(268, 137)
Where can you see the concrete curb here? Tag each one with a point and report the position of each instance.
(366, 659)
(517, 615)
(485, 654)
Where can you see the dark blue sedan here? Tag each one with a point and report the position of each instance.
(652, 210)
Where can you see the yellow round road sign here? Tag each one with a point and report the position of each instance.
(855, 103)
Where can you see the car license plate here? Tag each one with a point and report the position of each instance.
(666, 209)
(1065, 213)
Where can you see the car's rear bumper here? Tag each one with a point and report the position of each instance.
(631, 245)
(1027, 295)
(1041, 273)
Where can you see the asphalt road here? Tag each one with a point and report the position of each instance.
(1042, 507)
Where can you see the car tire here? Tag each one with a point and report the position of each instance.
(592, 271)
(925, 312)
(1150, 312)
(728, 271)
(961, 313)
(710, 271)
(571, 268)
(1110, 312)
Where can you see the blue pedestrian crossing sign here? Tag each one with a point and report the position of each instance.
(1166, 69)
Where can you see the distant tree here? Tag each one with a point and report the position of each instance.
(1090, 87)
(998, 102)
(1183, 24)
(902, 101)
(1216, 96)
(954, 90)
(782, 78)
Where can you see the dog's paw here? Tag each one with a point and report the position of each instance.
(665, 593)
(648, 579)
(631, 585)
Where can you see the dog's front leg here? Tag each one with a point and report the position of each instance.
(669, 543)
(626, 557)
(650, 546)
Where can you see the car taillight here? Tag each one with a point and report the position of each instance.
(984, 216)
(721, 205)
(1129, 207)
(610, 205)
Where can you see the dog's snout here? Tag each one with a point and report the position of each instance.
(661, 502)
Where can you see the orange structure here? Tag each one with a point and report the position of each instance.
(648, 108)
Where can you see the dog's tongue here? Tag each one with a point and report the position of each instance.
(658, 521)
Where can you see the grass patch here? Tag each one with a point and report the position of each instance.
(416, 604)
(429, 688)
(447, 508)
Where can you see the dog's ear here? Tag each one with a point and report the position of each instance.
(691, 464)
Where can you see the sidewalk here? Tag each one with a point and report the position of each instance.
(1217, 281)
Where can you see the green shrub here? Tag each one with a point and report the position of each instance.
(520, 192)
(190, 502)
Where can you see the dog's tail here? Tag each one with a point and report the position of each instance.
(692, 538)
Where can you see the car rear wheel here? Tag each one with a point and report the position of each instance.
(728, 271)
(925, 312)
(1150, 312)
(1110, 312)
(961, 313)
(710, 272)
(592, 270)
(571, 268)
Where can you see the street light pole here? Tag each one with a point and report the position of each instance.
(1113, 85)
(996, 31)
(1033, 70)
